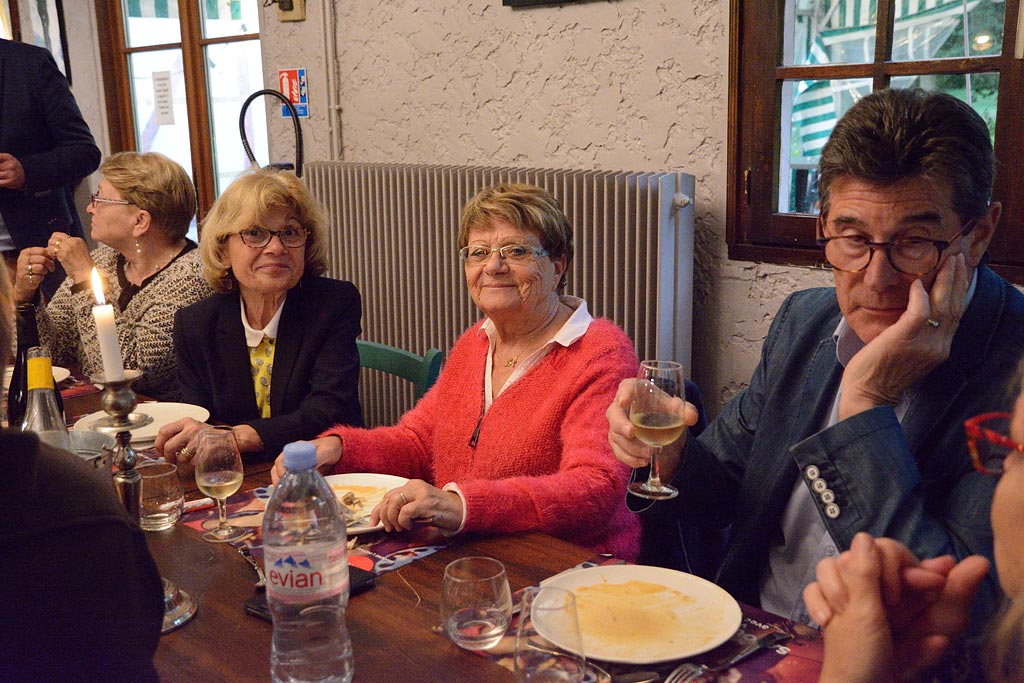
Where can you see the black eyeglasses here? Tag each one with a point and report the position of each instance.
(909, 255)
(988, 443)
(258, 237)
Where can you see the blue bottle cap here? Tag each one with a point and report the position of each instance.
(300, 455)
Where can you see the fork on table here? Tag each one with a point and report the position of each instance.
(689, 671)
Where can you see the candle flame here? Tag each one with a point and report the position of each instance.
(97, 288)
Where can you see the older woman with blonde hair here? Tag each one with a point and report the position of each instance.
(149, 270)
(273, 351)
(512, 437)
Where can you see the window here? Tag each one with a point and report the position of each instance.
(799, 64)
(177, 78)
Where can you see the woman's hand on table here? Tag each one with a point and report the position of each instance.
(176, 442)
(328, 453)
(417, 502)
(622, 435)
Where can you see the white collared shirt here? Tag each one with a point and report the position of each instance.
(792, 564)
(573, 328)
(253, 337)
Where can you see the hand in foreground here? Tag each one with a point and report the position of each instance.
(176, 442)
(33, 265)
(910, 348)
(328, 453)
(417, 502)
(73, 254)
(886, 615)
(622, 435)
(12, 174)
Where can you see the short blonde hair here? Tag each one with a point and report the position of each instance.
(248, 200)
(155, 183)
(526, 207)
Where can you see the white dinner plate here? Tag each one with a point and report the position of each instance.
(635, 614)
(162, 414)
(59, 375)
(368, 488)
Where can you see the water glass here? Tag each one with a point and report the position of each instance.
(476, 603)
(162, 496)
(549, 648)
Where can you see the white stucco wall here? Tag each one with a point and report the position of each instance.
(620, 84)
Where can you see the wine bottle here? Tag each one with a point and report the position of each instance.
(42, 415)
(28, 336)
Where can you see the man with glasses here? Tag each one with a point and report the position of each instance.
(853, 420)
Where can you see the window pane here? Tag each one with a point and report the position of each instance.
(829, 32)
(981, 91)
(151, 22)
(229, 17)
(235, 71)
(810, 111)
(930, 29)
(152, 134)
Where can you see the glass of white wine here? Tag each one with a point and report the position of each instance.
(656, 420)
(218, 475)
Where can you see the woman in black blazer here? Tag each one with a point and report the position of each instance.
(273, 352)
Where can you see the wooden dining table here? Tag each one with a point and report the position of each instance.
(393, 626)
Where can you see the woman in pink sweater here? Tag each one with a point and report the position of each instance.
(513, 436)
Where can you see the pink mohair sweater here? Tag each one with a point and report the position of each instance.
(542, 461)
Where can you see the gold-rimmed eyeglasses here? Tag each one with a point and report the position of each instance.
(476, 254)
(95, 199)
(909, 255)
(988, 441)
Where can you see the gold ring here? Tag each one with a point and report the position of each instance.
(402, 496)
(933, 323)
(185, 453)
(29, 269)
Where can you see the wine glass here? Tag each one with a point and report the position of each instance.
(656, 421)
(476, 602)
(549, 648)
(218, 475)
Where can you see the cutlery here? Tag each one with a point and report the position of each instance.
(689, 671)
(247, 554)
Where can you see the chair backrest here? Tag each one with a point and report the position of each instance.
(422, 371)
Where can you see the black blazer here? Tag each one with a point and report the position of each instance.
(315, 382)
(41, 125)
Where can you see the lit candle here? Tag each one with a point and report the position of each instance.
(106, 331)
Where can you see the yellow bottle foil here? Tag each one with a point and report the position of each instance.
(40, 373)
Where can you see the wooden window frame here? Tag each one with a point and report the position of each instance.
(110, 30)
(755, 230)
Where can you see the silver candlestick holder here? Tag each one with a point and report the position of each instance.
(118, 401)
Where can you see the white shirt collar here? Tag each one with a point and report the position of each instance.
(253, 337)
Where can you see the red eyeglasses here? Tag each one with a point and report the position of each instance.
(988, 442)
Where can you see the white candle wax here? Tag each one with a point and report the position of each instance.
(106, 331)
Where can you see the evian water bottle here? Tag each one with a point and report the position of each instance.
(304, 551)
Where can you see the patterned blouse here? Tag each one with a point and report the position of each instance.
(144, 322)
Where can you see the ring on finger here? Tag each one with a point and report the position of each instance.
(933, 323)
(402, 496)
(185, 453)
(29, 270)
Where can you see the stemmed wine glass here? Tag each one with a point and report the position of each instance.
(656, 421)
(218, 475)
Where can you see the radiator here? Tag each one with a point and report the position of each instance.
(393, 233)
